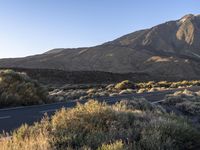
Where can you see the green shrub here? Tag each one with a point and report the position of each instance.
(18, 89)
(125, 85)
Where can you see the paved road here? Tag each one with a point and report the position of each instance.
(12, 118)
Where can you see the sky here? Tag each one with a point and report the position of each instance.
(30, 27)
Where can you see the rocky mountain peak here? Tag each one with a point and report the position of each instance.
(189, 31)
(186, 18)
(173, 37)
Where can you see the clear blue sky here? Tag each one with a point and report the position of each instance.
(34, 26)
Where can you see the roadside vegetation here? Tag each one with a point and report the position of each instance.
(163, 85)
(135, 124)
(18, 89)
(185, 101)
(167, 84)
(125, 87)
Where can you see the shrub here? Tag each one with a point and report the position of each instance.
(99, 126)
(173, 133)
(185, 101)
(125, 85)
(166, 84)
(18, 89)
(139, 104)
(190, 107)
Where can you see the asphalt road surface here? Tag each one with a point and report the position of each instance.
(13, 118)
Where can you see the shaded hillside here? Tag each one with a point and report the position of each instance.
(60, 77)
(170, 50)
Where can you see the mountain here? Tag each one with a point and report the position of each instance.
(169, 50)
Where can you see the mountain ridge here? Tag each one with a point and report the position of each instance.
(171, 49)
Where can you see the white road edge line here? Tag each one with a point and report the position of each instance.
(48, 110)
(195, 54)
(158, 101)
(5, 109)
(5, 117)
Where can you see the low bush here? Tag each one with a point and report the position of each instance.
(125, 85)
(166, 84)
(18, 89)
(125, 125)
(185, 101)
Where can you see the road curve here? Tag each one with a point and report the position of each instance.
(13, 118)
